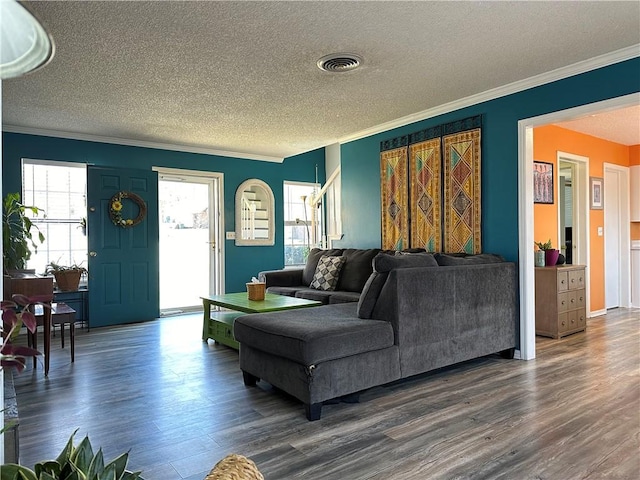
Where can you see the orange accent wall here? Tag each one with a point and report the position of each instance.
(634, 159)
(634, 155)
(547, 141)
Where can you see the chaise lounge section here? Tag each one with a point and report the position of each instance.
(416, 313)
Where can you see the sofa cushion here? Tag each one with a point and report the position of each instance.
(310, 336)
(313, 294)
(445, 259)
(356, 269)
(327, 273)
(383, 263)
(288, 291)
(344, 297)
(312, 262)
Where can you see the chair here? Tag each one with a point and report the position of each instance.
(61, 313)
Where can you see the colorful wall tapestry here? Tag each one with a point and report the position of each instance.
(462, 201)
(426, 185)
(393, 189)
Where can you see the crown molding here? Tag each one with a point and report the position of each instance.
(594, 63)
(139, 143)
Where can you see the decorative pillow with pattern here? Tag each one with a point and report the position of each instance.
(327, 273)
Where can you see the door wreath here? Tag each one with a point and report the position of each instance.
(115, 209)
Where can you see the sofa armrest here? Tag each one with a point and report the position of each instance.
(289, 277)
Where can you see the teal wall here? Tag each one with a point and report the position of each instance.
(241, 263)
(360, 167)
(360, 159)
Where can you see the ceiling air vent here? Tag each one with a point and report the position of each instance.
(339, 62)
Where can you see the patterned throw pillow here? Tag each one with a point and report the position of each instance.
(327, 273)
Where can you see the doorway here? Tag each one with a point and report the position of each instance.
(573, 208)
(616, 237)
(190, 238)
(525, 209)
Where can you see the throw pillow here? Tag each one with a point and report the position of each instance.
(312, 262)
(327, 273)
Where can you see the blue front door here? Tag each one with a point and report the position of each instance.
(123, 261)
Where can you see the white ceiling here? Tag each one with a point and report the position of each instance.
(235, 76)
(620, 126)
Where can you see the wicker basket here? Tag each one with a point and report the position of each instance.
(256, 290)
(235, 467)
(68, 280)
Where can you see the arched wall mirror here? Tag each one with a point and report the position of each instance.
(255, 213)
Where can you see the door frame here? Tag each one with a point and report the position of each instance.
(581, 214)
(624, 232)
(525, 209)
(216, 277)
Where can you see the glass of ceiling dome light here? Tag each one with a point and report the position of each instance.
(24, 44)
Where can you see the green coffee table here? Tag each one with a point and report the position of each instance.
(218, 325)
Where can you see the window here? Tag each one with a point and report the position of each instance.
(60, 190)
(302, 226)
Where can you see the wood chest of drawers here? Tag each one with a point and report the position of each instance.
(560, 300)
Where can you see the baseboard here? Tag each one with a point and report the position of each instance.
(597, 313)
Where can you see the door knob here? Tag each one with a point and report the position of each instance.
(92, 209)
(93, 254)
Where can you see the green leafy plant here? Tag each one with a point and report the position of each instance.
(54, 267)
(17, 235)
(544, 246)
(73, 463)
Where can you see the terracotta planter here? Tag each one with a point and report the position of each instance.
(551, 257)
(68, 280)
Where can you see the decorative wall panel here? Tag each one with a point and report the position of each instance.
(462, 201)
(394, 199)
(425, 195)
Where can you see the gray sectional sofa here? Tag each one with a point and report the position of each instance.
(415, 313)
(295, 282)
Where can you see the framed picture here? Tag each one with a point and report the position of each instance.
(542, 182)
(597, 193)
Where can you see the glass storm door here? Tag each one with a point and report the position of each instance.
(189, 240)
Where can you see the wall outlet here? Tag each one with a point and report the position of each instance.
(600, 231)
(231, 235)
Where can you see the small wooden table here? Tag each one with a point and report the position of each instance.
(218, 325)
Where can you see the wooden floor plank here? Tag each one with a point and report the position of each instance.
(179, 405)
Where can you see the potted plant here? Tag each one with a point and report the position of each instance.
(74, 463)
(67, 277)
(17, 236)
(550, 253)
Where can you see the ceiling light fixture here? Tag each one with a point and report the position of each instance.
(339, 62)
(24, 44)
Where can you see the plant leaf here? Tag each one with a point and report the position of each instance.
(29, 321)
(17, 363)
(12, 471)
(66, 452)
(20, 299)
(97, 466)
(119, 463)
(83, 455)
(109, 473)
(21, 351)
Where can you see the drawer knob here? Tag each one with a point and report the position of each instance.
(573, 300)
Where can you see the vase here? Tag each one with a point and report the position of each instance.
(551, 257)
(538, 257)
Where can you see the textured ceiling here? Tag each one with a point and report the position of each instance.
(242, 76)
(620, 126)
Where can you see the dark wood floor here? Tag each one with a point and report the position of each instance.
(180, 405)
